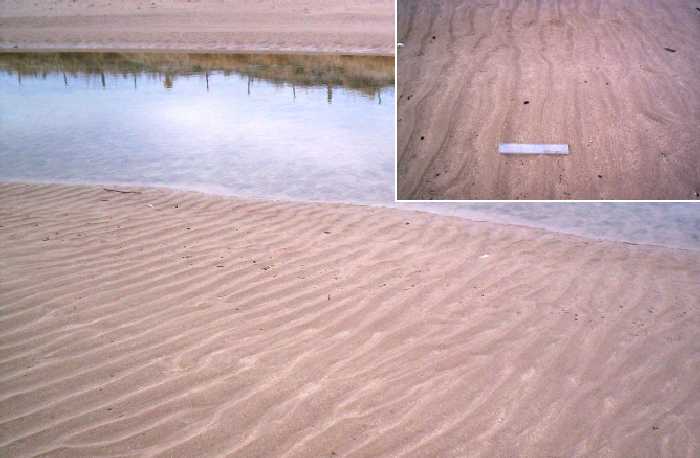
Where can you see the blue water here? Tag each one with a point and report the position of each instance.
(266, 139)
(675, 225)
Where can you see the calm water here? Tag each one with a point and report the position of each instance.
(674, 225)
(301, 127)
(296, 127)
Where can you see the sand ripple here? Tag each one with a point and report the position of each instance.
(592, 74)
(178, 324)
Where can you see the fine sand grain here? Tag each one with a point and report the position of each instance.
(347, 26)
(177, 324)
(617, 81)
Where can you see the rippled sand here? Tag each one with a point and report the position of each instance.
(347, 26)
(615, 80)
(178, 324)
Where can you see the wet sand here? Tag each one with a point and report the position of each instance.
(591, 74)
(348, 26)
(166, 323)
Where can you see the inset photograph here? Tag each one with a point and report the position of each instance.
(548, 100)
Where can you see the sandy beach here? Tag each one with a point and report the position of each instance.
(164, 323)
(618, 82)
(348, 26)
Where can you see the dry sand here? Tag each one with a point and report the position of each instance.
(347, 26)
(596, 76)
(178, 324)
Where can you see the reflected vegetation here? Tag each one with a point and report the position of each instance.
(367, 74)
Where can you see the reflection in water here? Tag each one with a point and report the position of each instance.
(246, 125)
(367, 74)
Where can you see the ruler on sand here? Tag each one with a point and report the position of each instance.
(526, 148)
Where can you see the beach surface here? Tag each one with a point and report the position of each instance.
(165, 323)
(347, 26)
(616, 81)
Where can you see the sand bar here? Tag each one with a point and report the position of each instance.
(164, 323)
(348, 26)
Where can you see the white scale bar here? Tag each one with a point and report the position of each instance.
(525, 148)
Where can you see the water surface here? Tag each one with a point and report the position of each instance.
(669, 224)
(300, 127)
